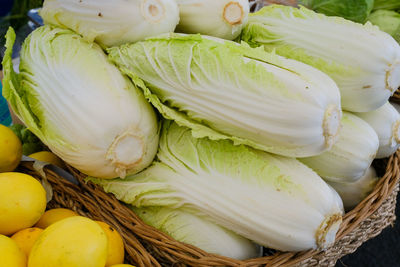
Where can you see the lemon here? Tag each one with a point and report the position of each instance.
(49, 157)
(54, 215)
(11, 254)
(11, 149)
(22, 202)
(73, 242)
(122, 265)
(25, 238)
(115, 250)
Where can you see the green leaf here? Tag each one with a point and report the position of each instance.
(355, 10)
(388, 21)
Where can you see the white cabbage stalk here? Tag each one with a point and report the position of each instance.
(79, 104)
(354, 193)
(223, 90)
(362, 60)
(275, 201)
(351, 155)
(198, 231)
(386, 123)
(113, 22)
(222, 18)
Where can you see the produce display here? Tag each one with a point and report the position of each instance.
(386, 123)
(238, 188)
(361, 59)
(223, 90)
(226, 130)
(33, 237)
(47, 156)
(115, 246)
(11, 254)
(223, 19)
(57, 237)
(54, 215)
(26, 238)
(351, 156)
(83, 241)
(96, 120)
(23, 201)
(113, 23)
(11, 149)
(353, 193)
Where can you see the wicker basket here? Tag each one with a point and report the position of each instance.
(146, 246)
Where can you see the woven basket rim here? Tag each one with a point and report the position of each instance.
(133, 229)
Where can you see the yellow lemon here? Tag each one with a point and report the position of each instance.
(122, 265)
(73, 242)
(11, 254)
(115, 251)
(54, 215)
(49, 157)
(11, 150)
(22, 202)
(26, 238)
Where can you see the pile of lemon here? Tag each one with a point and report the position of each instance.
(33, 237)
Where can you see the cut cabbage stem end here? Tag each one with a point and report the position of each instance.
(393, 77)
(153, 10)
(126, 151)
(233, 13)
(331, 124)
(326, 233)
(396, 131)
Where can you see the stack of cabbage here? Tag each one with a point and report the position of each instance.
(232, 118)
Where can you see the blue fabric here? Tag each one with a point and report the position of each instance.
(5, 117)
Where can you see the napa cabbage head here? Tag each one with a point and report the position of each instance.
(113, 22)
(79, 104)
(224, 18)
(362, 60)
(353, 193)
(237, 187)
(224, 90)
(351, 156)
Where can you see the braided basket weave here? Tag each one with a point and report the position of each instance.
(146, 246)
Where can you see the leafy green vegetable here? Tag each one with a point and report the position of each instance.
(261, 196)
(355, 10)
(30, 142)
(351, 156)
(386, 123)
(223, 90)
(113, 22)
(362, 60)
(198, 231)
(79, 104)
(223, 18)
(354, 193)
(388, 21)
